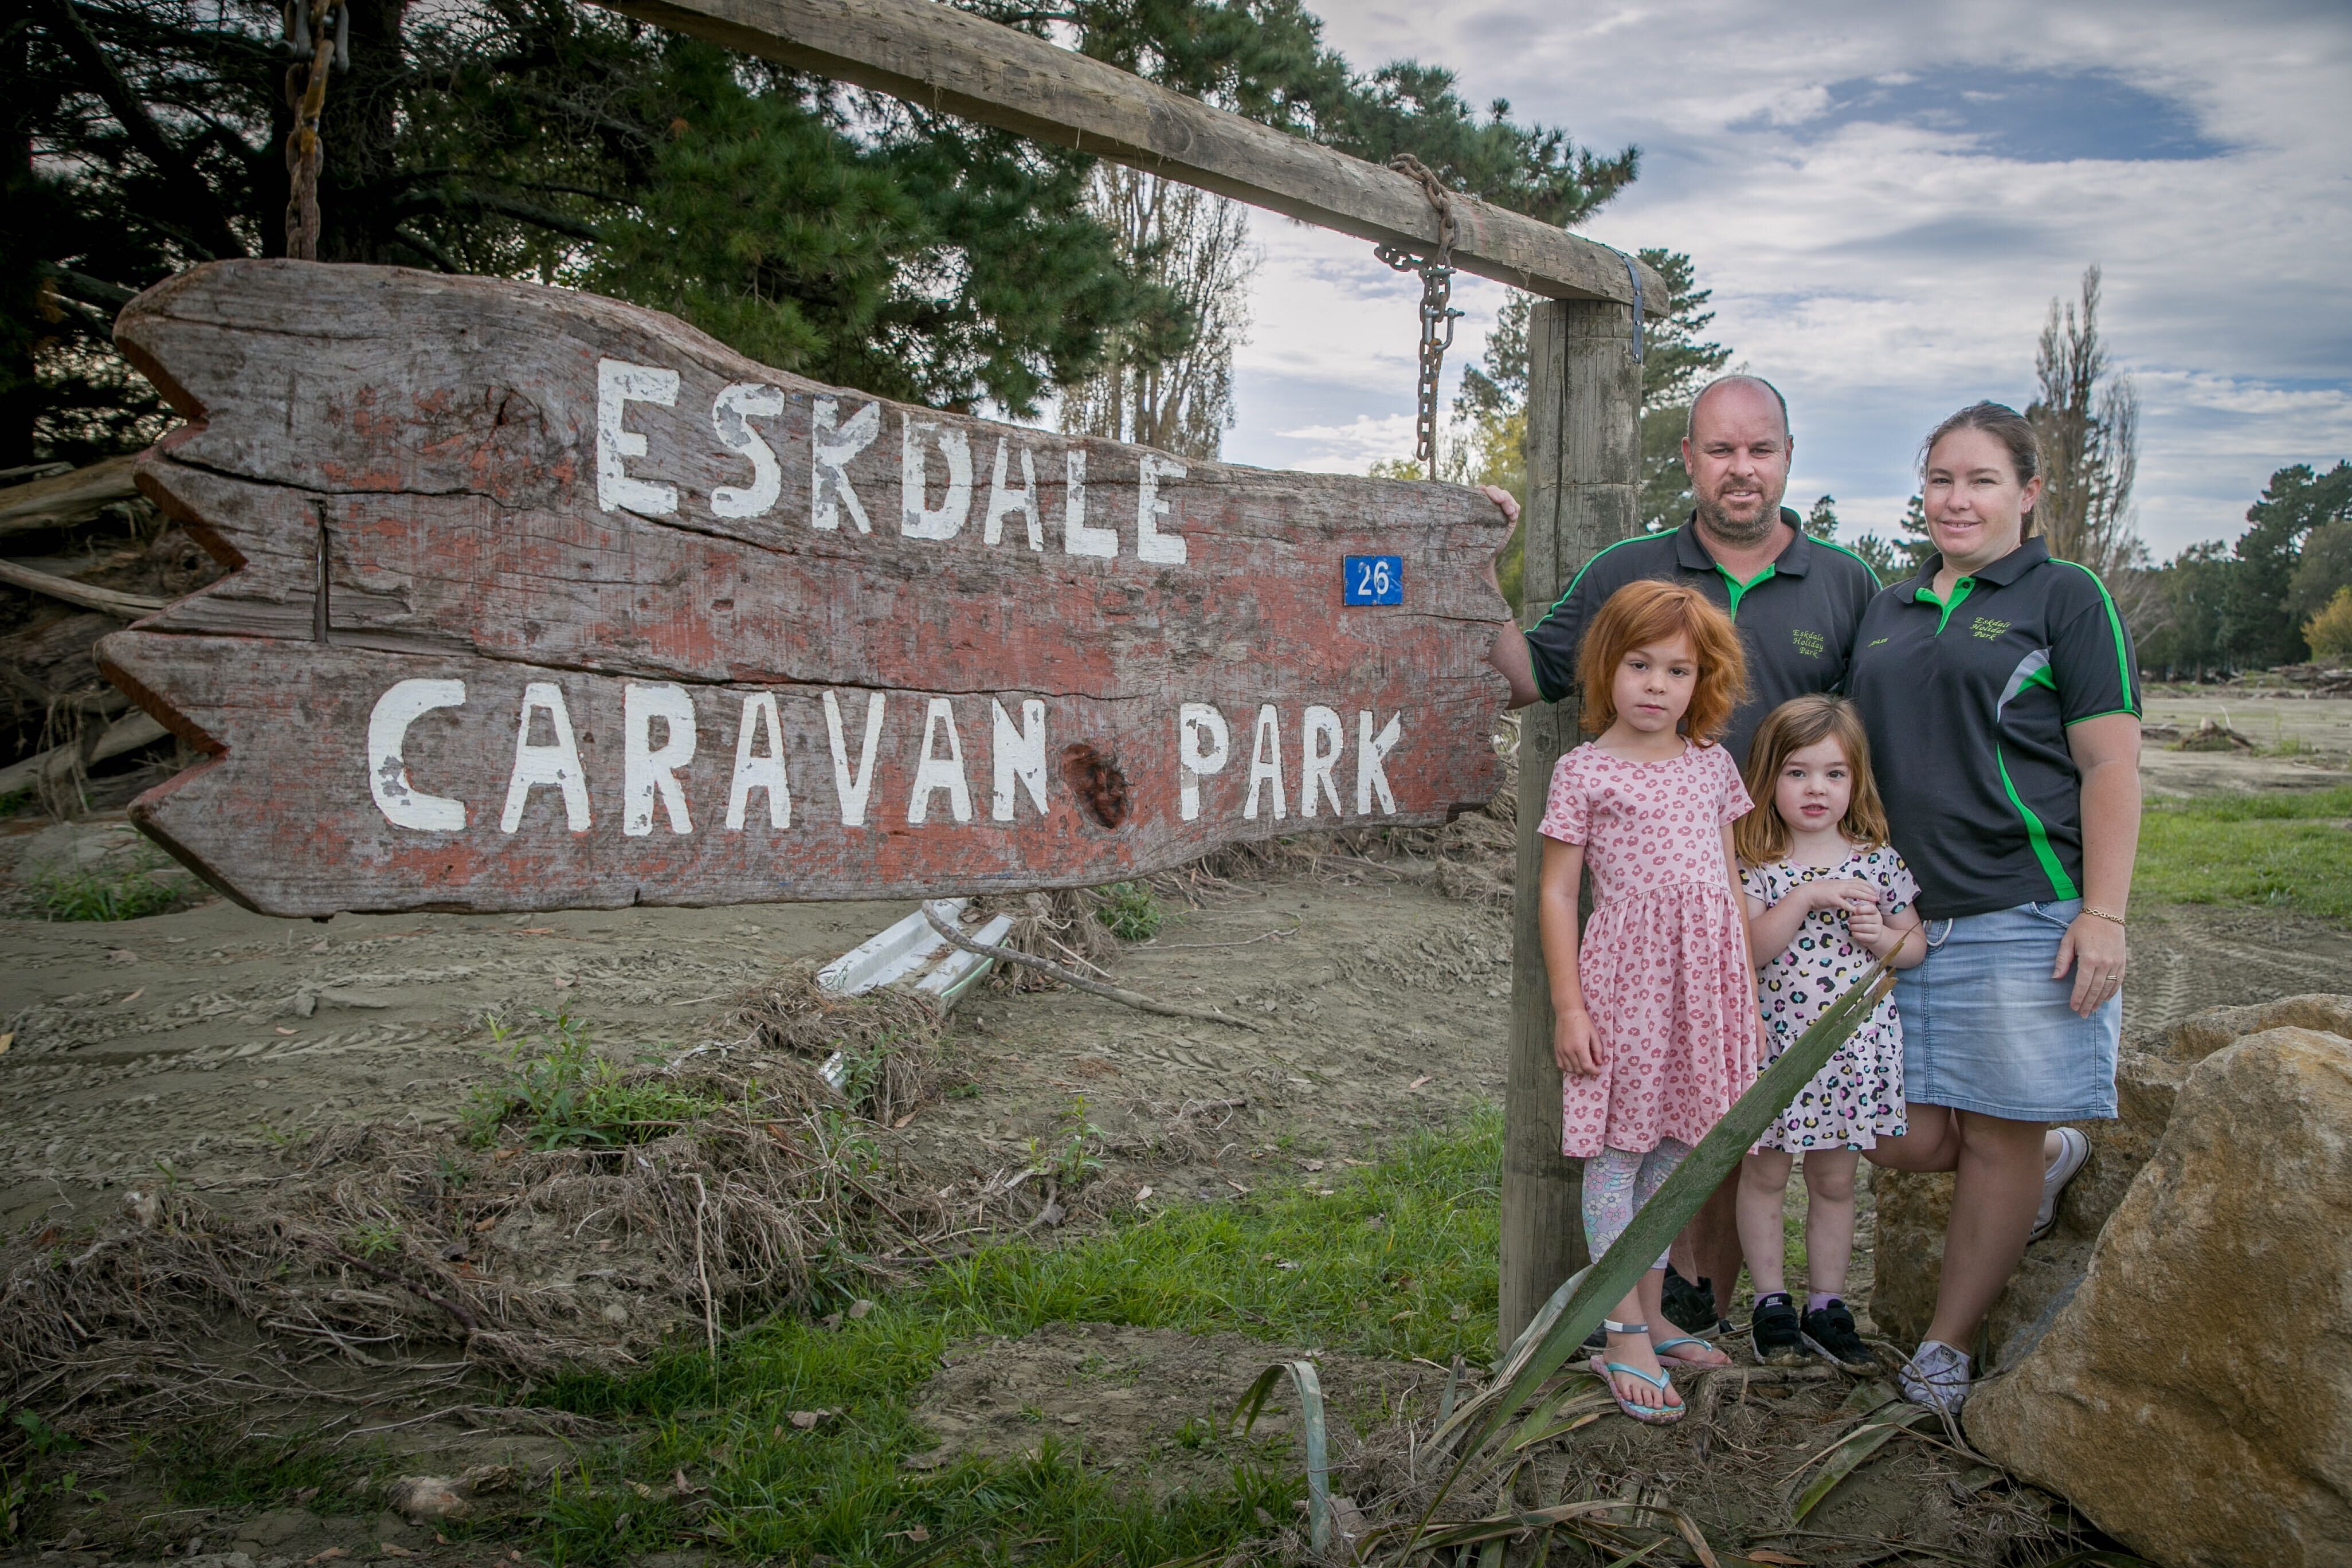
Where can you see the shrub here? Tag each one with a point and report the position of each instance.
(1132, 910)
(2329, 633)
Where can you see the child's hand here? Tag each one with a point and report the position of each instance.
(1575, 1049)
(1841, 895)
(1866, 922)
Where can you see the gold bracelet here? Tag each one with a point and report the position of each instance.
(2116, 919)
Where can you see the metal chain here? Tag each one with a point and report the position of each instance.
(321, 29)
(1437, 314)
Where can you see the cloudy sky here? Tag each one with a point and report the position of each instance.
(1885, 198)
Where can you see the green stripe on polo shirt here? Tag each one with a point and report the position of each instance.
(1841, 550)
(2114, 624)
(1572, 582)
(1738, 589)
(1959, 591)
(2036, 835)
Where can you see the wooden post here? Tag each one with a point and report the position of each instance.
(1583, 455)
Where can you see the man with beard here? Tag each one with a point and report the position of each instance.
(1796, 601)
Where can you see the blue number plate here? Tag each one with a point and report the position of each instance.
(1373, 580)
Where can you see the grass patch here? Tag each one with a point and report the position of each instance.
(1398, 1261)
(557, 1093)
(228, 1468)
(1131, 911)
(2282, 850)
(123, 893)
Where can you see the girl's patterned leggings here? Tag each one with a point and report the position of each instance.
(1617, 1182)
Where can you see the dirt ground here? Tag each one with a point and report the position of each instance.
(188, 1049)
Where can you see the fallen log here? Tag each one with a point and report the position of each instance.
(57, 765)
(90, 597)
(67, 498)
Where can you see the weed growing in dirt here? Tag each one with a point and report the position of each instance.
(1131, 911)
(1396, 1260)
(127, 893)
(18, 802)
(2280, 850)
(1074, 1159)
(227, 1468)
(558, 1094)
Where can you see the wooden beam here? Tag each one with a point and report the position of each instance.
(90, 597)
(63, 500)
(943, 59)
(1583, 453)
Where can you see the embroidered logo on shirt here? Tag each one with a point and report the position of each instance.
(1809, 643)
(1986, 628)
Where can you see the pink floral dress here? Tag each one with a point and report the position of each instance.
(1664, 971)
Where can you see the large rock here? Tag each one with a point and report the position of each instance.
(1908, 1249)
(2194, 1396)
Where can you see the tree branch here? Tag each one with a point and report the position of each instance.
(195, 198)
(1077, 981)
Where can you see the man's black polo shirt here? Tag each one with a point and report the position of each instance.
(1968, 703)
(1796, 618)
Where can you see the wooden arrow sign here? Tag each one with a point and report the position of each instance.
(544, 601)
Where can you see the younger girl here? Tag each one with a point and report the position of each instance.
(1826, 895)
(1656, 1033)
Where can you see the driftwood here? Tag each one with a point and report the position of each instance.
(128, 606)
(546, 601)
(64, 500)
(56, 765)
(1076, 982)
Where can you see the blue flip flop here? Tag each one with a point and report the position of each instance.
(1648, 1414)
(1661, 1347)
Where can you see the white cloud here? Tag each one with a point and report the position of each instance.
(1886, 265)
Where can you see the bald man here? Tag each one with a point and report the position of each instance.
(1796, 601)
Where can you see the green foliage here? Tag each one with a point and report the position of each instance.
(824, 229)
(2329, 633)
(1073, 1159)
(2254, 627)
(2280, 850)
(1382, 1268)
(374, 1239)
(19, 803)
(230, 1468)
(1131, 910)
(127, 892)
(2323, 568)
(556, 1092)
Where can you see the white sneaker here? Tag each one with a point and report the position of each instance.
(1937, 1377)
(2073, 1148)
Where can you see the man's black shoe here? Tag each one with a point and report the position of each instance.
(1772, 1328)
(1690, 1307)
(1829, 1333)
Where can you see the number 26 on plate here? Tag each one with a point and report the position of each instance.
(1373, 580)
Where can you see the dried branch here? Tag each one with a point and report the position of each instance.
(1077, 981)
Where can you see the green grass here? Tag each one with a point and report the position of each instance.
(1419, 1282)
(556, 1092)
(128, 893)
(1132, 910)
(2279, 850)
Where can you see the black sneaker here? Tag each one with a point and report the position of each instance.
(1829, 1333)
(1690, 1307)
(1772, 1330)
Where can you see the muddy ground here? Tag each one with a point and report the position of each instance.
(188, 1049)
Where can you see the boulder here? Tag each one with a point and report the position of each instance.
(2193, 1396)
(1911, 1210)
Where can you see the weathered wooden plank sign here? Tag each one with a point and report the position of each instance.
(546, 601)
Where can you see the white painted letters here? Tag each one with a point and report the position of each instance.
(731, 418)
(853, 788)
(1319, 741)
(557, 764)
(647, 770)
(1265, 764)
(1003, 501)
(934, 772)
(403, 805)
(618, 384)
(1078, 539)
(1151, 545)
(1197, 722)
(916, 519)
(1018, 755)
(1370, 752)
(830, 450)
(755, 769)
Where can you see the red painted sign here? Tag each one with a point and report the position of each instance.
(546, 601)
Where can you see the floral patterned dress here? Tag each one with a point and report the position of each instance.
(1662, 961)
(1857, 1099)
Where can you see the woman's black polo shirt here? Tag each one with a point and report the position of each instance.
(1795, 617)
(1968, 702)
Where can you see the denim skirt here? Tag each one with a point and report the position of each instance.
(1985, 1029)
